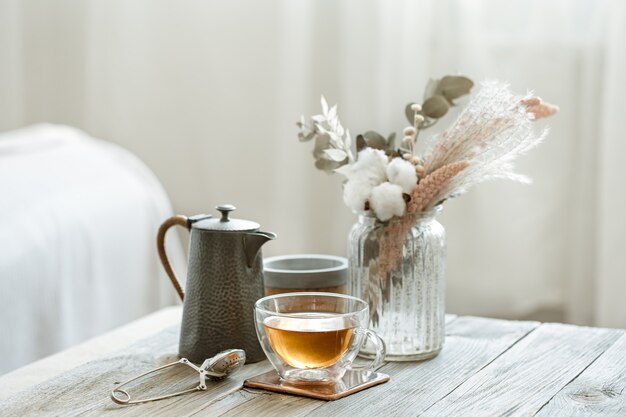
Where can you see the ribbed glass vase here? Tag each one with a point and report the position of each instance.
(398, 267)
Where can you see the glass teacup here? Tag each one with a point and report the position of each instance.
(314, 337)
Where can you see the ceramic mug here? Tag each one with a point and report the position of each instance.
(305, 272)
(314, 337)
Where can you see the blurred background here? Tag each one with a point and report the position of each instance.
(206, 94)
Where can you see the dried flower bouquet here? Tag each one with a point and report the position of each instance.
(495, 127)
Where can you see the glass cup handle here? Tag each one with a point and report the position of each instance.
(381, 350)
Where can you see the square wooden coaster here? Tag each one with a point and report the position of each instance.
(352, 381)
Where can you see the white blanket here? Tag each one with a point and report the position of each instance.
(78, 220)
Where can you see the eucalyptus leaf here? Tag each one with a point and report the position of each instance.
(391, 139)
(344, 170)
(435, 107)
(455, 86)
(336, 155)
(306, 137)
(409, 113)
(360, 143)
(432, 88)
(375, 140)
(322, 142)
(327, 166)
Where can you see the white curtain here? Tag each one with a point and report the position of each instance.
(207, 92)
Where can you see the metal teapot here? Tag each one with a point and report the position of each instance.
(224, 280)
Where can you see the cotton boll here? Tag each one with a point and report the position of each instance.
(356, 193)
(370, 166)
(386, 201)
(372, 157)
(402, 173)
(366, 173)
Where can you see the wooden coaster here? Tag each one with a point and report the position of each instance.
(352, 381)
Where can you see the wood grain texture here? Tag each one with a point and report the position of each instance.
(96, 348)
(529, 374)
(263, 405)
(85, 390)
(87, 387)
(600, 390)
(487, 367)
(471, 343)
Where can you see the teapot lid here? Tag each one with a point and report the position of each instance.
(225, 223)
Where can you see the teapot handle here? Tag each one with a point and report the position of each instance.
(177, 220)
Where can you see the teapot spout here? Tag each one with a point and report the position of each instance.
(253, 242)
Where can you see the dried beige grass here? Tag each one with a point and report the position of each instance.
(495, 128)
(429, 187)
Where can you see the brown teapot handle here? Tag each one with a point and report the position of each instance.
(177, 220)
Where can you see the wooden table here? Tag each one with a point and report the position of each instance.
(488, 367)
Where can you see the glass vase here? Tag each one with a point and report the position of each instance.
(398, 267)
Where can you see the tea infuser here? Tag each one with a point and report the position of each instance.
(217, 367)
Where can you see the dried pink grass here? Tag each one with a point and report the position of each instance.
(394, 233)
(391, 240)
(539, 108)
(422, 195)
(495, 128)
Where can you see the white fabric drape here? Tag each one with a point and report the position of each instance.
(206, 93)
(78, 224)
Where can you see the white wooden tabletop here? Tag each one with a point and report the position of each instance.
(488, 367)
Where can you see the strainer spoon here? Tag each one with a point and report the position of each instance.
(217, 367)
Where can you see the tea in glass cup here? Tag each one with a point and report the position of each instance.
(314, 337)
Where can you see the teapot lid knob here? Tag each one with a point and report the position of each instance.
(225, 209)
(226, 223)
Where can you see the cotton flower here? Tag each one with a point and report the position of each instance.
(367, 172)
(370, 166)
(356, 193)
(386, 201)
(402, 173)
